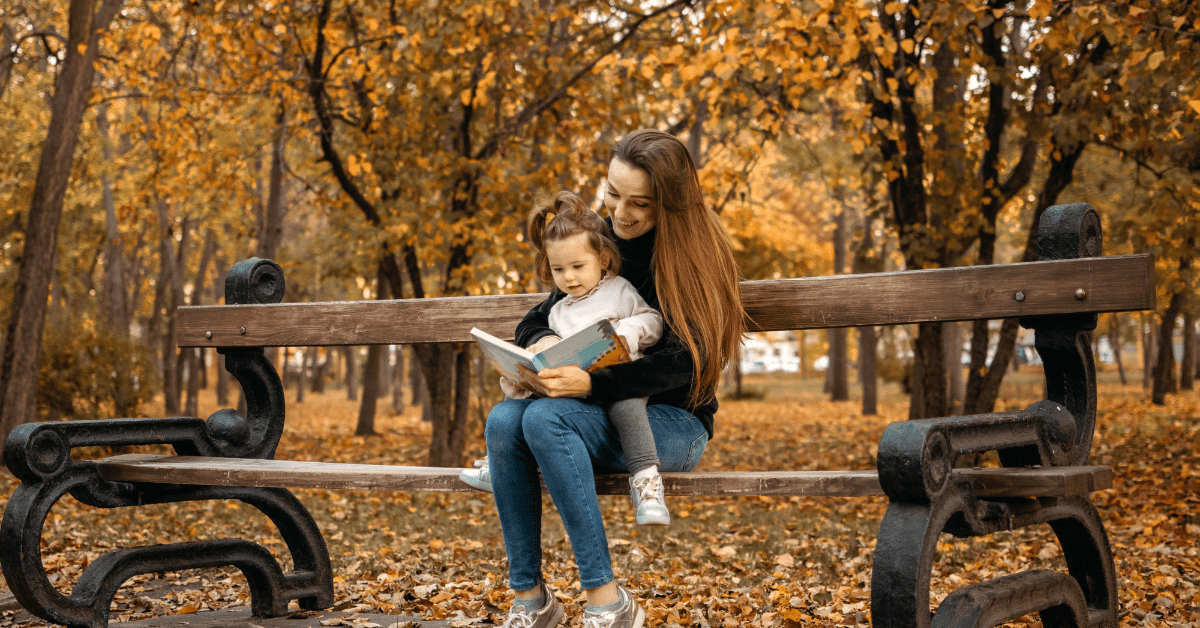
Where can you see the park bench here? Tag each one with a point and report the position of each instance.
(1044, 449)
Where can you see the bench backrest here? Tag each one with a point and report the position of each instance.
(1091, 284)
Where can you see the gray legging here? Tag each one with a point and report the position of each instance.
(633, 426)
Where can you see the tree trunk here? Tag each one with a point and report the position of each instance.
(1114, 340)
(350, 354)
(194, 364)
(372, 377)
(8, 58)
(320, 370)
(839, 382)
(983, 381)
(951, 361)
(385, 373)
(1187, 366)
(928, 398)
(868, 369)
(448, 401)
(87, 19)
(116, 305)
(192, 358)
(398, 382)
(302, 375)
(416, 380)
(1196, 352)
(801, 336)
(271, 234)
(222, 386)
(1164, 367)
(370, 392)
(1148, 353)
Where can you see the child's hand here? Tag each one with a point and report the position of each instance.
(543, 343)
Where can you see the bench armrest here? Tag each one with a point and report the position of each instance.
(916, 457)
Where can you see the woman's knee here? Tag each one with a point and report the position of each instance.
(546, 417)
(503, 426)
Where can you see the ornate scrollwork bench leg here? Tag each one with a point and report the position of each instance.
(39, 455)
(926, 499)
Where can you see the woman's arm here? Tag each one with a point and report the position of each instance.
(536, 324)
(666, 366)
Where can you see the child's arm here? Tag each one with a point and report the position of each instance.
(642, 325)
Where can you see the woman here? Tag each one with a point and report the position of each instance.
(675, 253)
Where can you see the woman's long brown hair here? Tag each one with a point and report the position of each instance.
(694, 271)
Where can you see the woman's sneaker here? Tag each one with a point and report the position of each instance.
(480, 477)
(630, 615)
(649, 504)
(549, 616)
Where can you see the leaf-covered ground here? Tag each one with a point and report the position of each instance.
(723, 562)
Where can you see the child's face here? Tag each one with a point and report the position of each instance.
(574, 264)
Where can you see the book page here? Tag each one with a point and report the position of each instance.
(593, 347)
(505, 355)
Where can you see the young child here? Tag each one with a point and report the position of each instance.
(576, 252)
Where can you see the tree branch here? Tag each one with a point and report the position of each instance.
(533, 109)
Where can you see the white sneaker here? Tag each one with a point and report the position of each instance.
(480, 477)
(650, 506)
(630, 615)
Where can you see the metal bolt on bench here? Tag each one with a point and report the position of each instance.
(1044, 448)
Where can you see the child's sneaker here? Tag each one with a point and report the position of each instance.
(650, 507)
(630, 615)
(480, 477)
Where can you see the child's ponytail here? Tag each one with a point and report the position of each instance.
(563, 216)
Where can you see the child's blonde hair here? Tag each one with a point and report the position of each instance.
(570, 217)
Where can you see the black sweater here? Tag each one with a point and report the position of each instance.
(665, 371)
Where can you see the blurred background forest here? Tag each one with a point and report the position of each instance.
(391, 150)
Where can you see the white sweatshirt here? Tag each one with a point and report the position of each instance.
(615, 299)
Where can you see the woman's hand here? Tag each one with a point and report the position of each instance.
(564, 381)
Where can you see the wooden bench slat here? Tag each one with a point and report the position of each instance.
(1059, 481)
(1112, 284)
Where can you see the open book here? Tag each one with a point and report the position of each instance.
(590, 348)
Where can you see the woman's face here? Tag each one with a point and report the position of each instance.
(629, 197)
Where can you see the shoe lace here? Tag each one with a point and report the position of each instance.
(481, 464)
(599, 620)
(519, 619)
(649, 487)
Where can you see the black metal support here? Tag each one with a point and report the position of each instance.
(39, 454)
(915, 460)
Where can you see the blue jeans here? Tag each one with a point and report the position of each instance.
(569, 441)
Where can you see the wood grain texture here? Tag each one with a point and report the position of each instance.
(327, 475)
(1112, 284)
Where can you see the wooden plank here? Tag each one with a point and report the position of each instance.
(326, 475)
(1112, 284)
